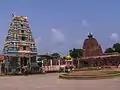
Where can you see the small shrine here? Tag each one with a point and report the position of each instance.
(68, 60)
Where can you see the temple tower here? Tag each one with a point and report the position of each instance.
(91, 47)
(19, 47)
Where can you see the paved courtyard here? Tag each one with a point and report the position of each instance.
(51, 82)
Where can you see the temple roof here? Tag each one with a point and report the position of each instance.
(19, 17)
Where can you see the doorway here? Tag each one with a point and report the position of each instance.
(24, 61)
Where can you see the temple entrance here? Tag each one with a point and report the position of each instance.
(24, 61)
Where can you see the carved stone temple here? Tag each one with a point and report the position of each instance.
(91, 47)
(93, 55)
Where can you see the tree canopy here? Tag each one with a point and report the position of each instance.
(109, 50)
(115, 48)
(56, 55)
(76, 53)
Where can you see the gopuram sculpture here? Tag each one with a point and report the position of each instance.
(19, 47)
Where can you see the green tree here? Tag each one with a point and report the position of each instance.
(56, 55)
(116, 47)
(76, 53)
(109, 50)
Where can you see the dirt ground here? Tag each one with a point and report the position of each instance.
(52, 82)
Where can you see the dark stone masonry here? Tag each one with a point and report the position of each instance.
(93, 55)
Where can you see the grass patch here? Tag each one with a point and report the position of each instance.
(67, 74)
(104, 74)
(87, 69)
(85, 77)
(113, 72)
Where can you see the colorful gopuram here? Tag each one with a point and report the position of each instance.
(19, 47)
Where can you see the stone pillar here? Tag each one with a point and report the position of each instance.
(42, 63)
(51, 62)
(7, 65)
(19, 63)
(0, 69)
(66, 62)
(59, 62)
(72, 61)
(29, 61)
(78, 62)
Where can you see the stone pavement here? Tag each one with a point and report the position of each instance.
(51, 82)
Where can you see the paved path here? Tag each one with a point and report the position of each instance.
(51, 82)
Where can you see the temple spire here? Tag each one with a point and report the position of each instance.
(90, 35)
